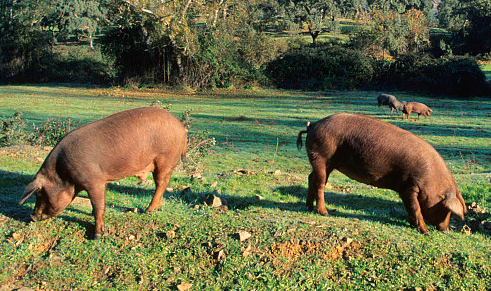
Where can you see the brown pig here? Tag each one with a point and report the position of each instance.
(377, 153)
(134, 142)
(416, 107)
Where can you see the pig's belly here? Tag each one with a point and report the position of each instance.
(388, 180)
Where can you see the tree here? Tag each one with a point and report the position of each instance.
(399, 6)
(392, 33)
(163, 42)
(316, 14)
(85, 18)
(470, 22)
(24, 51)
(54, 17)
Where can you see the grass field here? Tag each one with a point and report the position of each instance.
(366, 243)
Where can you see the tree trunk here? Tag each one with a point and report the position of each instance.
(313, 32)
(314, 35)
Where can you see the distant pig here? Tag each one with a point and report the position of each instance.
(416, 107)
(134, 142)
(391, 101)
(377, 153)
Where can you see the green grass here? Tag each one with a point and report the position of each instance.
(290, 248)
(486, 68)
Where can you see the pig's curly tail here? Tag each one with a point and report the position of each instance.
(299, 137)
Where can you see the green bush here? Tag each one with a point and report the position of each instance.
(224, 60)
(14, 131)
(24, 53)
(453, 75)
(50, 132)
(321, 67)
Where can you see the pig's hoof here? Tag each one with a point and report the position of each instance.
(322, 212)
(426, 233)
(97, 236)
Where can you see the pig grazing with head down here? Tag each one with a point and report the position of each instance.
(377, 153)
(134, 142)
(391, 101)
(416, 107)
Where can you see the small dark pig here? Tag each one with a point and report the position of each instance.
(391, 101)
(370, 151)
(134, 142)
(416, 107)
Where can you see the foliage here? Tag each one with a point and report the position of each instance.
(399, 6)
(390, 34)
(452, 75)
(176, 50)
(316, 14)
(14, 131)
(24, 52)
(50, 132)
(199, 145)
(321, 67)
(85, 19)
(470, 23)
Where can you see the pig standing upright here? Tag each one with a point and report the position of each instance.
(377, 153)
(416, 107)
(134, 142)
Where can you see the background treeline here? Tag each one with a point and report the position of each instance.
(417, 45)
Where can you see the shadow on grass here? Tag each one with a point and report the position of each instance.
(376, 209)
(356, 206)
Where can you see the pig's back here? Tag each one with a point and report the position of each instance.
(374, 152)
(120, 145)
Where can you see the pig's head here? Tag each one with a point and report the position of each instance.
(439, 214)
(51, 197)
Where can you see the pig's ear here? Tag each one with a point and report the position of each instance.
(453, 204)
(34, 186)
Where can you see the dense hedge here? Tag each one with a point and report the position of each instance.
(455, 75)
(321, 67)
(332, 66)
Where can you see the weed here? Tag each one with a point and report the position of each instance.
(13, 130)
(470, 163)
(161, 104)
(187, 118)
(50, 132)
(199, 145)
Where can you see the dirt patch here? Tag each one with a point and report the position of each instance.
(286, 254)
(477, 219)
(81, 201)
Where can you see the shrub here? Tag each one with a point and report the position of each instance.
(14, 131)
(199, 145)
(24, 53)
(50, 132)
(320, 67)
(454, 75)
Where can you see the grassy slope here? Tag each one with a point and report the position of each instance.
(366, 242)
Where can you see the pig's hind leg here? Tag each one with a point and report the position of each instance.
(161, 175)
(411, 203)
(317, 183)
